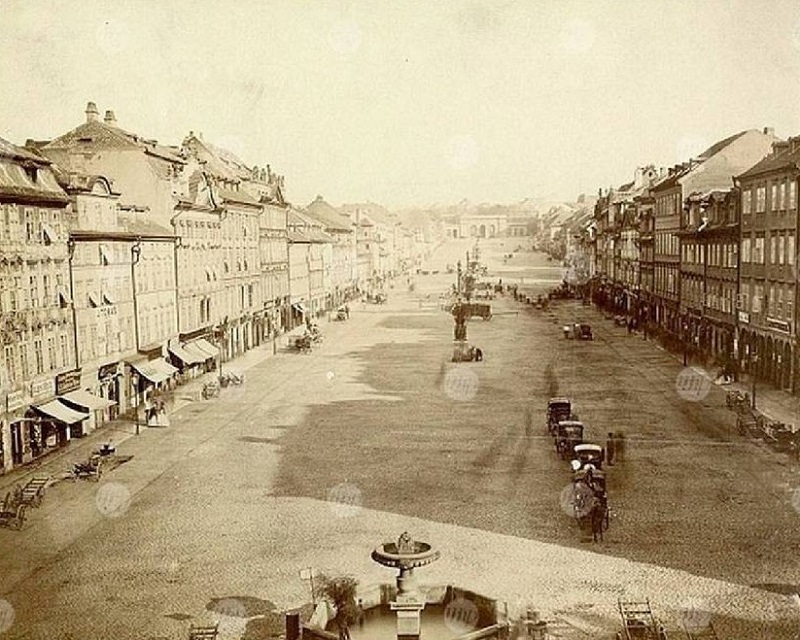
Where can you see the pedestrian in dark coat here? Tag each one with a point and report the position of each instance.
(611, 448)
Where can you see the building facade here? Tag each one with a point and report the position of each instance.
(768, 286)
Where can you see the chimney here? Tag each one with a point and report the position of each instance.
(769, 131)
(92, 114)
(110, 118)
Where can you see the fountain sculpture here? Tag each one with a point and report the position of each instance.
(406, 555)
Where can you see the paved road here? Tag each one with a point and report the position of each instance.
(241, 493)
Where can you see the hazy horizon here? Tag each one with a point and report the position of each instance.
(410, 103)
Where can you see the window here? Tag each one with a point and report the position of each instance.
(782, 196)
(46, 290)
(51, 352)
(30, 226)
(23, 360)
(11, 362)
(34, 290)
(746, 243)
(790, 255)
(38, 355)
(779, 304)
(62, 339)
(773, 196)
(761, 199)
(747, 201)
(758, 296)
(781, 249)
(773, 249)
(792, 194)
(758, 250)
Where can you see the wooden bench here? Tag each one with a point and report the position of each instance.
(210, 632)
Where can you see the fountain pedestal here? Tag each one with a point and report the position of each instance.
(408, 618)
(408, 605)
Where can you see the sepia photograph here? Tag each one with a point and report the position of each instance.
(373, 320)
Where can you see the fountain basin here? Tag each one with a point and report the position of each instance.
(389, 555)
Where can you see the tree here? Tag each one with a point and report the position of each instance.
(341, 591)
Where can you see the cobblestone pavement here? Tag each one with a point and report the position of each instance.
(204, 510)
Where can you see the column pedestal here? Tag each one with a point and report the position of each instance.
(408, 618)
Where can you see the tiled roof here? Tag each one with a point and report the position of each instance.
(99, 134)
(16, 182)
(330, 217)
(13, 152)
(237, 196)
(715, 148)
(784, 159)
(143, 227)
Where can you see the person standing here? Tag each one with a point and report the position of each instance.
(611, 448)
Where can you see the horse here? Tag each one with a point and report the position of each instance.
(590, 508)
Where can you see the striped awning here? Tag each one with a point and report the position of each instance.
(206, 347)
(85, 400)
(186, 355)
(155, 370)
(59, 411)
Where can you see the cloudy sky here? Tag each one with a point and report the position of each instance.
(405, 102)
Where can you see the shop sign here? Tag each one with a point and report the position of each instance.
(780, 325)
(744, 317)
(44, 387)
(107, 371)
(68, 381)
(15, 400)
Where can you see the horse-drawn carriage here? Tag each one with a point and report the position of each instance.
(568, 434)
(578, 331)
(558, 409)
(590, 501)
(638, 622)
(589, 454)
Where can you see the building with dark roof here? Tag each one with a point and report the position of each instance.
(768, 285)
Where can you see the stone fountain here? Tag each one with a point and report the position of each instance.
(406, 555)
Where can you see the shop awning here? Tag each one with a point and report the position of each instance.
(300, 307)
(109, 298)
(155, 370)
(85, 400)
(94, 299)
(59, 411)
(205, 346)
(196, 352)
(185, 355)
(105, 255)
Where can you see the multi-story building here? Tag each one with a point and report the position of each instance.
(310, 255)
(240, 214)
(709, 271)
(645, 208)
(712, 170)
(768, 288)
(36, 314)
(343, 268)
(149, 178)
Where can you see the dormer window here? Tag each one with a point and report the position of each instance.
(32, 172)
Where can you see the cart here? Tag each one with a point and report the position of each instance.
(569, 433)
(12, 513)
(91, 469)
(558, 409)
(32, 494)
(638, 622)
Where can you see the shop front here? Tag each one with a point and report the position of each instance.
(109, 378)
(150, 380)
(54, 424)
(86, 402)
(186, 359)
